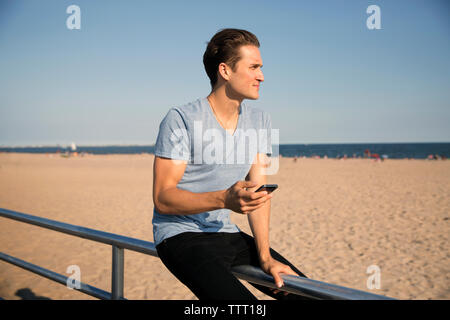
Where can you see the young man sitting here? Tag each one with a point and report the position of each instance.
(201, 174)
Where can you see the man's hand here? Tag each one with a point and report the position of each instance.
(239, 200)
(276, 269)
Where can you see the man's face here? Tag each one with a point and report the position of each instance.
(244, 81)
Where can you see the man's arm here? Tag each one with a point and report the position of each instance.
(259, 221)
(168, 199)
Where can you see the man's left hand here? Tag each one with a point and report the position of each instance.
(276, 269)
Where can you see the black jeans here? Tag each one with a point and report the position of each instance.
(202, 261)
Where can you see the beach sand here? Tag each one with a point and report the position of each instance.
(331, 218)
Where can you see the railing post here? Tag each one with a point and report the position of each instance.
(117, 273)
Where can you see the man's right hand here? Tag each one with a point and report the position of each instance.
(239, 200)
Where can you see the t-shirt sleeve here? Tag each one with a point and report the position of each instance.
(173, 139)
(265, 135)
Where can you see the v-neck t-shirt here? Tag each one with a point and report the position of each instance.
(216, 159)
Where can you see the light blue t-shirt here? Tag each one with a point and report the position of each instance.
(216, 159)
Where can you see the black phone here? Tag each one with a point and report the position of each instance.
(267, 187)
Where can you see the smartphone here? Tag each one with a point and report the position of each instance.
(267, 187)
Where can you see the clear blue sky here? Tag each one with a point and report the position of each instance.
(328, 78)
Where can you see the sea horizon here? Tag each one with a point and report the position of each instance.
(392, 150)
(67, 145)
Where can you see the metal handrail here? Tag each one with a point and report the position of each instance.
(85, 288)
(298, 285)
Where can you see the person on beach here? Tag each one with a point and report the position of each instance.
(197, 180)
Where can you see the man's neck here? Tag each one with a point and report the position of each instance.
(225, 107)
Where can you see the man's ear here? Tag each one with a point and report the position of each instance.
(224, 71)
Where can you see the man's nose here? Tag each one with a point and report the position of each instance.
(260, 76)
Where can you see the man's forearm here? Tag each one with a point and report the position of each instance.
(259, 221)
(178, 201)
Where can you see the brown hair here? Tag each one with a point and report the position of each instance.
(224, 47)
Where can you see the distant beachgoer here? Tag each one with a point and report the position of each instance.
(367, 153)
(376, 156)
(193, 233)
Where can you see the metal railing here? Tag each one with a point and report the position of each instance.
(305, 287)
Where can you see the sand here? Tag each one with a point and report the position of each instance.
(331, 218)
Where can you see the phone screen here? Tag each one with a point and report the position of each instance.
(268, 187)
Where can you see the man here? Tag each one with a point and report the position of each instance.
(194, 190)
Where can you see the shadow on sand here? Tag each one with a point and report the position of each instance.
(28, 294)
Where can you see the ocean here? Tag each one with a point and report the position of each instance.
(383, 150)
